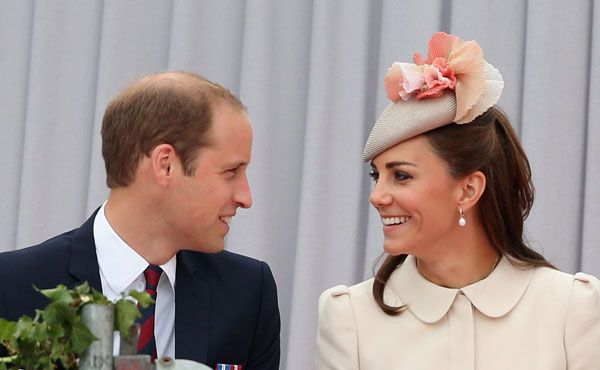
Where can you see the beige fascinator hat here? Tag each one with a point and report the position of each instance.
(453, 85)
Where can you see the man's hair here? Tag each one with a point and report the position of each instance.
(173, 108)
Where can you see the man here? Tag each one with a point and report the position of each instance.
(176, 148)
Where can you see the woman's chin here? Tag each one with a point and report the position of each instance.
(395, 248)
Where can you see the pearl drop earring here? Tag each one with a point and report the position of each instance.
(462, 221)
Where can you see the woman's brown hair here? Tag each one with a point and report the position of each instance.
(490, 145)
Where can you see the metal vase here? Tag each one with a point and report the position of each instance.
(99, 318)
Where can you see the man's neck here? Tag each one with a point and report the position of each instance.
(135, 222)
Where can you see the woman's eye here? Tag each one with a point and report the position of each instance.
(401, 176)
(374, 175)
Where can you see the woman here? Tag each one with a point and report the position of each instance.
(460, 289)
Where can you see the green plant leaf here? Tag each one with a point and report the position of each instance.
(27, 351)
(81, 337)
(68, 361)
(83, 288)
(40, 332)
(24, 329)
(56, 331)
(42, 362)
(62, 353)
(99, 298)
(7, 329)
(144, 299)
(59, 313)
(59, 294)
(126, 312)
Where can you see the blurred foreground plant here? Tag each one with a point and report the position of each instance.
(56, 337)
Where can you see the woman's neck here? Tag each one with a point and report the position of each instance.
(465, 259)
(458, 273)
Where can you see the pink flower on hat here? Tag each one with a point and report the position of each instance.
(451, 64)
(438, 77)
(402, 80)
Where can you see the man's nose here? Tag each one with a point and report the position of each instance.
(243, 195)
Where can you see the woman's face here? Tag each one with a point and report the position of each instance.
(417, 198)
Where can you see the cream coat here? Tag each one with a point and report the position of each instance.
(513, 319)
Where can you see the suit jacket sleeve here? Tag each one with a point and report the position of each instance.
(337, 342)
(582, 328)
(265, 352)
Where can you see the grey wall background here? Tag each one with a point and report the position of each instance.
(311, 75)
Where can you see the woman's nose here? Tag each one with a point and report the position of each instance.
(379, 195)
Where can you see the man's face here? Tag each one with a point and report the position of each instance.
(204, 204)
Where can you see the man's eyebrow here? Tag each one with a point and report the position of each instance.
(235, 164)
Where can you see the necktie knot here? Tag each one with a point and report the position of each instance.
(152, 275)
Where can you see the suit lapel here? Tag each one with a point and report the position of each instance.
(84, 263)
(191, 311)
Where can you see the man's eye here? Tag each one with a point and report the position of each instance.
(231, 172)
(374, 175)
(401, 176)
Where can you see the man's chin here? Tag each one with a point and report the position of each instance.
(214, 247)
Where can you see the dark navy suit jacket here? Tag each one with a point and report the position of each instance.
(226, 307)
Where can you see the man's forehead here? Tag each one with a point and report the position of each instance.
(230, 137)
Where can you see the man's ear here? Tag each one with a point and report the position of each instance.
(472, 187)
(163, 159)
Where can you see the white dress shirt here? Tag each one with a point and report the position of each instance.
(122, 270)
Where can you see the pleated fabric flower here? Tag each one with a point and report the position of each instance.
(451, 64)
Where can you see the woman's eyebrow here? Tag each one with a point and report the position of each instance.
(390, 165)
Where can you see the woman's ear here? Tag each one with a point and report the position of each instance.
(472, 187)
(163, 159)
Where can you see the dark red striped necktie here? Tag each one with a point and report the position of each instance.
(146, 341)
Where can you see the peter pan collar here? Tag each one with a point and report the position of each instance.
(493, 296)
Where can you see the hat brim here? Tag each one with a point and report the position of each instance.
(405, 119)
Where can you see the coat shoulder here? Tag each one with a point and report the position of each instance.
(359, 297)
(225, 264)
(552, 280)
(28, 260)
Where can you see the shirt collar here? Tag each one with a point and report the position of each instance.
(494, 296)
(120, 264)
